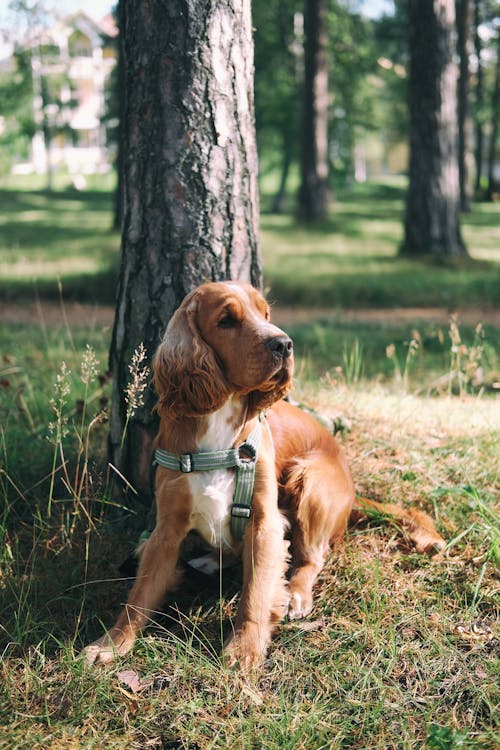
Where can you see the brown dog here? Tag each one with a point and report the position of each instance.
(222, 369)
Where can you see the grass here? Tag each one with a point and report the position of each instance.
(399, 651)
(349, 260)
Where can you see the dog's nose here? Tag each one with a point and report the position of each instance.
(281, 345)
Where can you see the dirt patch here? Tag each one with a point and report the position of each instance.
(47, 313)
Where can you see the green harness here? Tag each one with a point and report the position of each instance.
(243, 459)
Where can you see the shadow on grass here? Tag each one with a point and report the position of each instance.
(98, 288)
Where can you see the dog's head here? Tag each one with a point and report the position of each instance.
(220, 342)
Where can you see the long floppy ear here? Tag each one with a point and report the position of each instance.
(187, 378)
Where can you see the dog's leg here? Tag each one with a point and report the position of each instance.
(321, 496)
(156, 575)
(264, 595)
(418, 526)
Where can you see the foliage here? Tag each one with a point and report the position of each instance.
(16, 93)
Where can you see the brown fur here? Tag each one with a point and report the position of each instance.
(217, 368)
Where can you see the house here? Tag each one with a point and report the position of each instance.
(73, 59)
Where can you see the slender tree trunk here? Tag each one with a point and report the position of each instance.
(495, 115)
(190, 181)
(313, 194)
(465, 144)
(432, 225)
(280, 197)
(479, 98)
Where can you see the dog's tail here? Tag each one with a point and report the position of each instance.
(415, 524)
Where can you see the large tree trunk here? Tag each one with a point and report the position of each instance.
(313, 193)
(465, 143)
(190, 183)
(432, 210)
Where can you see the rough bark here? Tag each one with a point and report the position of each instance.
(190, 182)
(432, 224)
(313, 193)
(465, 140)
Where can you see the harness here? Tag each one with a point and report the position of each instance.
(243, 458)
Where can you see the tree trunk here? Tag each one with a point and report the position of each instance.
(495, 115)
(313, 193)
(432, 225)
(465, 144)
(190, 183)
(479, 99)
(279, 200)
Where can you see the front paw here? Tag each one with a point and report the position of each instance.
(299, 605)
(246, 648)
(107, 648)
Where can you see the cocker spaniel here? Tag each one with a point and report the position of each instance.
(221, 373)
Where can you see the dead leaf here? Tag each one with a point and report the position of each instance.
(133, 681)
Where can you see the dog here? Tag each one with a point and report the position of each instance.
(221, 374)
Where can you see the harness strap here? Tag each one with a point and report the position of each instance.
(243, 459)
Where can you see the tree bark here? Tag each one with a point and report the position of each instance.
(432, 224)
(465, 142)
(313, 193)
(190, 183)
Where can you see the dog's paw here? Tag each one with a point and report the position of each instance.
(107, 648)
(245, 650)
(299, 605)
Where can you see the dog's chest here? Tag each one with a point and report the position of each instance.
(212, 491)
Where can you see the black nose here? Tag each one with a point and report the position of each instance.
(281, 345)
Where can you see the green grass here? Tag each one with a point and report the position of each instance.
(399, 651)
(347, 261)
(350, 259)
(64, 235)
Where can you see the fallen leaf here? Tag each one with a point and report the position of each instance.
(132, 680)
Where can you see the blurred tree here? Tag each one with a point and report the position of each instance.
(190, 184)
(465, 140)
(495, 115)
(277, 87)
(16, 109)
(113, 118)
(479, 96)
(313, 192)
(432, 222)
(354, 87)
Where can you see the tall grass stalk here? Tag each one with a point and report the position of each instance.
(134, 391)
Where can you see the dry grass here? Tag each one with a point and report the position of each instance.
(399, 651)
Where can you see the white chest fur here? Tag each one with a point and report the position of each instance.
(212, 491)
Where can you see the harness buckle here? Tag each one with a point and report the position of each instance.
(186, 463)
(238, 510)
(248, 460)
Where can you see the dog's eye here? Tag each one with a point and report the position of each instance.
(227, 321)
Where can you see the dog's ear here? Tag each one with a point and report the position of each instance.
(186, 375)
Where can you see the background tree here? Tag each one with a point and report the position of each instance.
(190, 183)
(495, 115)
(278, 58)
(465, 141)
(432, 225)
(16, 97)
(313, 192)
